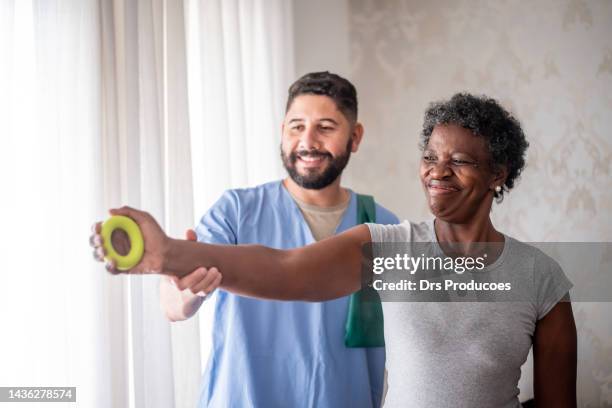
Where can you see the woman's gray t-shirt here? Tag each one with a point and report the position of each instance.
(464, 354)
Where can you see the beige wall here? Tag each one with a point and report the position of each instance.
(321, 35)
(549, 61)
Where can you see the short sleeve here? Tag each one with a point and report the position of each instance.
(551, 284)
(389, 233)
(219, 224)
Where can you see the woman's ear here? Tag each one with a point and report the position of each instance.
(357, 135)
(500, 173)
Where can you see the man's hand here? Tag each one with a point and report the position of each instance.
(155, 243)
(202, 281)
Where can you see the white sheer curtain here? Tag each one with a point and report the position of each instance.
(146, 149)
(96, 110)
(240, 64)
(63, 321)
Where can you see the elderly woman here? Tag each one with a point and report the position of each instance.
(439, 354)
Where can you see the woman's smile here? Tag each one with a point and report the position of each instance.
(439, 187)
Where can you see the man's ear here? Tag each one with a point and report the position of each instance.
(357, 136)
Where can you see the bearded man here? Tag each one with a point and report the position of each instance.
(287, 354)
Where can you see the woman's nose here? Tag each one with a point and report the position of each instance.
(440, 169)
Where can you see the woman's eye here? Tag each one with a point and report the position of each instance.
(459, 162)
(429, 158)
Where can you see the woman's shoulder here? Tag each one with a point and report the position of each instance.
(549, 282)
(526, 250)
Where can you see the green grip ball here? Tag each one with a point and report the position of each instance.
(123, 262)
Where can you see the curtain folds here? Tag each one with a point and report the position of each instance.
(156, 104)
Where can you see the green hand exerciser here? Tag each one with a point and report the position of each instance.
(133, 257)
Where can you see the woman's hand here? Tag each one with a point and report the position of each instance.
(156, 243)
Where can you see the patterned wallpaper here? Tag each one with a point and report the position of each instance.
(549, 62)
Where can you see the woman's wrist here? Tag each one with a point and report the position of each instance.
(181, 257)
(169, 254)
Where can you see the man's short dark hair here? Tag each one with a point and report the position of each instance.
(325, 83)
(485, 117)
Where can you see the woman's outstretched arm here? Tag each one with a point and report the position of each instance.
(328, 269)
(324, 270)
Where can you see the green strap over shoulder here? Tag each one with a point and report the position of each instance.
(364, 321)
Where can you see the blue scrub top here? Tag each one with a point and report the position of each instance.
(276, 353)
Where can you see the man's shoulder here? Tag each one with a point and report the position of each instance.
(245, 196)
(383, 215)
(228, 214)
(265, 189)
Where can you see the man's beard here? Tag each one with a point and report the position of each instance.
(314, 180)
